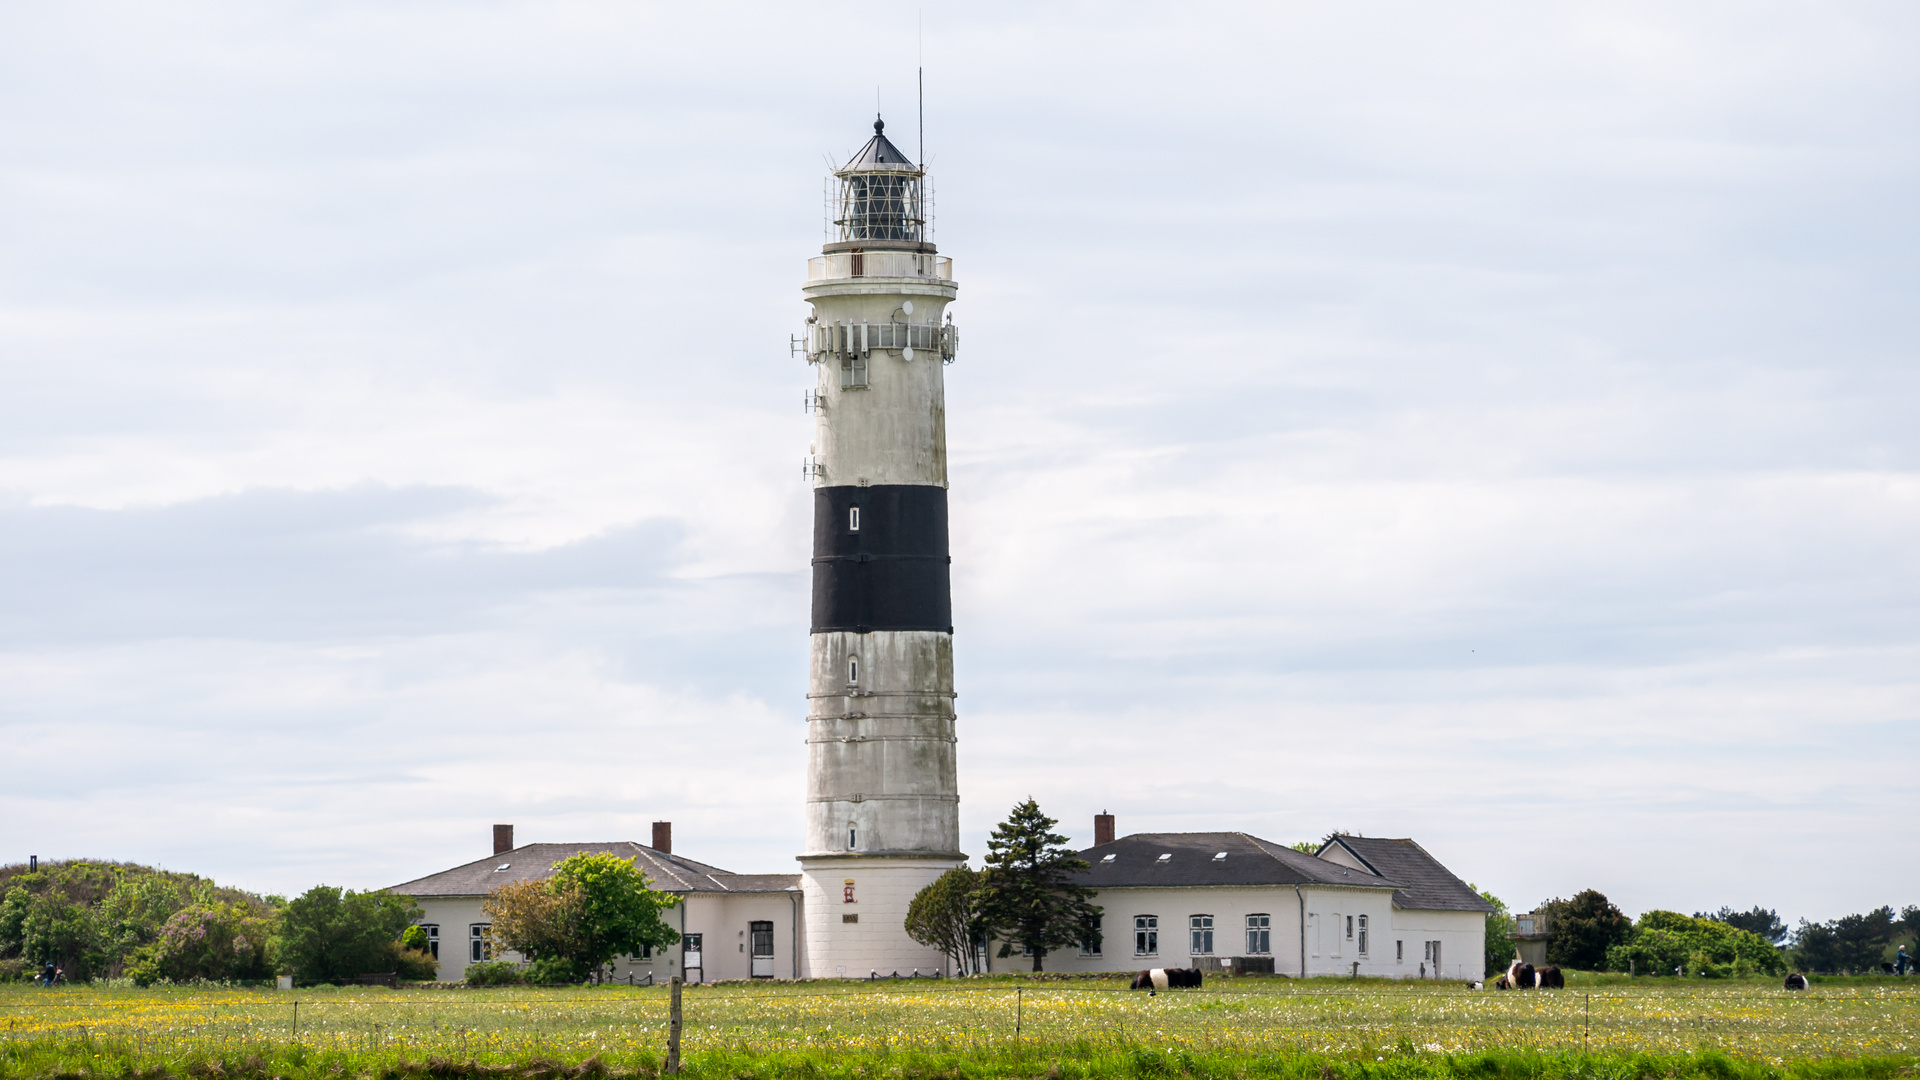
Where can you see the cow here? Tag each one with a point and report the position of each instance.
(1158, 979)
(1796, 981)
(1549, 978)
(1501, 983)
(1519, 975)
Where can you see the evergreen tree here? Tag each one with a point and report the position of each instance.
(1762, 921)
(1499, 939)
(1028, 896)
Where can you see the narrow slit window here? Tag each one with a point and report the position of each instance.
(853, 669)
(853, 519)
(853, 837)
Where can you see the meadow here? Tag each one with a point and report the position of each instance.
(997, 1027)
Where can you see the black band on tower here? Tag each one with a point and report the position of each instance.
(892, 572)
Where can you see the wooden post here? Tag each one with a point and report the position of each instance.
(673, 1027)
(1018, 1011)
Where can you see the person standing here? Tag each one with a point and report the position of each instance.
(1902, 963)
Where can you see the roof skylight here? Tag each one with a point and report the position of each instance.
(1218, 855)
(501, 867)
(1107, 857)
(1166, 856)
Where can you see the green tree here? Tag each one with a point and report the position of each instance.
(1581, 930)
(945, 916)
(596, 906)
(211, 941)
(1499, 944)
(1848, 944)
(1908, 925)
(1027, 893)
(1762, 921)
(333, 935)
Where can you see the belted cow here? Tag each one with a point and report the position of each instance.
(1158, 979)
(1524, 976)
(1796, 981)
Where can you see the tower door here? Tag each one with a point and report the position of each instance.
(760, 944)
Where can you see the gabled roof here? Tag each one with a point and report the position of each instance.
(879, 153)
(669, 873)
(1190, 860)
(1425, 884)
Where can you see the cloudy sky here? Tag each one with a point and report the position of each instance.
(1492, 424)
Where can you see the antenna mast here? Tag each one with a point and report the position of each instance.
(920, 76)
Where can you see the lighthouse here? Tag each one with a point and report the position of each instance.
(883, 801)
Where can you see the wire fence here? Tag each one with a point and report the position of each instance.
(1250, 1014)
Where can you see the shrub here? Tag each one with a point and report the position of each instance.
(555, 971)
(494, 973)
(334, 935)
(1583, 929)
(1665, 940)
(212, 942)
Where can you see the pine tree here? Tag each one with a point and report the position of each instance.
(1028, 897)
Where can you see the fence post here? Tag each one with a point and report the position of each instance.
(673, 1027)
(296, 1020)
(1589, 1032)
(1018, 1010)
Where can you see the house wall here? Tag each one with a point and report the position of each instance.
(1462, 936)
(1329, 950)
(720, 918)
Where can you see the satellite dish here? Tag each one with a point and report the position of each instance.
(908, 308)
(906, 353)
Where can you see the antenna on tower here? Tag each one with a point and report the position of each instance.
(920, 77)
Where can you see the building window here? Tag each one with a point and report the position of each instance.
(1090, 944)
(1201, 932)
(479, 945)
(1349, 928)
(1361, 947)
(853, 835)
(853, 519)
(433, 938)
(690, 952)
(1259, 935)
(853, 373)
(1146, 935)
(853, 669)
(1399, 952)
(645, 954)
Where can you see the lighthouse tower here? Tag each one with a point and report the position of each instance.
(883, 817)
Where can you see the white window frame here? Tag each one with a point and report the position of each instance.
(853, 669)
(433, 938)
(1200, 935)
(853, 519)
(853, 372)
(1361, 947)
(478, 946)
(1146, 935)
(1259, 934)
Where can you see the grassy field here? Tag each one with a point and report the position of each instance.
(1032, 1029)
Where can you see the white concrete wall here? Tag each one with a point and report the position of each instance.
(1329, 951)
(721, 918)
(1463, 942)
(876, 938)
(895, 430)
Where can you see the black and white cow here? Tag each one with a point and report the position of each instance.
(1524, 976)
(1796, 981)
(1158, 979)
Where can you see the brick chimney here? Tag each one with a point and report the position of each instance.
(663, 837)
(1102, 828)
(502, 838)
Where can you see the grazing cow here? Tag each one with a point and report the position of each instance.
(1796, 981)
(1520, 975)
(1549, 978)
(1501, 983)
(1159, 979)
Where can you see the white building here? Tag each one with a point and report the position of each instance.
(1360, 906)
(732, 926)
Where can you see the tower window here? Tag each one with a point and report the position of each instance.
(853, 373)
(853, 836)
(853, 669)
(853, 519)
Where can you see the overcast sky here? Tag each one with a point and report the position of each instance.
(1491, 424)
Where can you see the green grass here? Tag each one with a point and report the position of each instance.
(1080, 1029)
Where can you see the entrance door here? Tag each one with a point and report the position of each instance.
(690, 958)
(760, 944)
(1436, 959)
